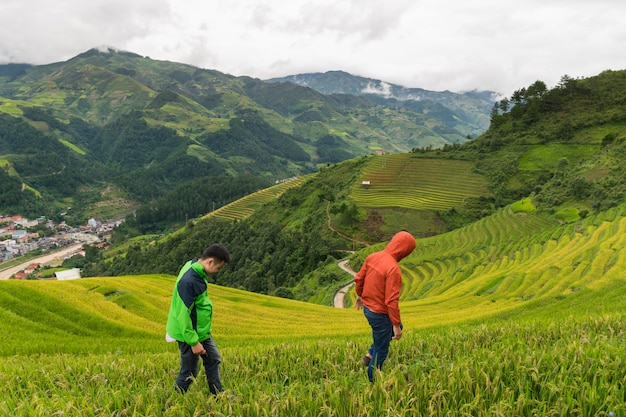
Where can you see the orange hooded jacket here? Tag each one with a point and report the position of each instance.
(379, 281)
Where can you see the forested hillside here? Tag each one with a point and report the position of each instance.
(113, 120)
(555, 157)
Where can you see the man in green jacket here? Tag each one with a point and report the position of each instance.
(190, 319)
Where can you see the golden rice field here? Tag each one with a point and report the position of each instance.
(527, 322)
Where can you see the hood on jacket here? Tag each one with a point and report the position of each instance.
(400, 245)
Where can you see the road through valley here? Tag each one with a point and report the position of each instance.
(339, 301)
(43, 259)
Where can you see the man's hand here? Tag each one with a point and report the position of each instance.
(358, 304)
(397, 332)
(198, 349)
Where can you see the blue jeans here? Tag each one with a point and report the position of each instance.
(382, 333)
(189, 363)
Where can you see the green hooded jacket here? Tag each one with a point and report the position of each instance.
(191, 311)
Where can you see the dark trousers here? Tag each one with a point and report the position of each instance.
(189, 365)
(382, 333)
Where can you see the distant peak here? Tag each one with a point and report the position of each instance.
(107, 50)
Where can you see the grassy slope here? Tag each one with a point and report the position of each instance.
(472, 273)
(128, 314)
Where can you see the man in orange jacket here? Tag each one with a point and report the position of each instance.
(378, 286)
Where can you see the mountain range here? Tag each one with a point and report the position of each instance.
(109, 126)
(145, 127)
(465, 110)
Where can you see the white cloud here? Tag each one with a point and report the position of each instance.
(433, 44)
(382, 89)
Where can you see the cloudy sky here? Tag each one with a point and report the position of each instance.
(455, 45)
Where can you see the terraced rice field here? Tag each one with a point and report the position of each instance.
(404, 180)
(245, 206)
(530, 324)
(542, 260)
(469, 254)
(514, 316)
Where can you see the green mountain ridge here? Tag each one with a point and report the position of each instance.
(467, 111)
(128, 121)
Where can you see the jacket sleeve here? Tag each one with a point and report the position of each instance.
(393, 285)
(359, 279)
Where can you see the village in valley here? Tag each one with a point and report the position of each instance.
(24, 238)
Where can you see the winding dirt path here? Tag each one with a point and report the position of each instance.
(330, 226)
(339, 300)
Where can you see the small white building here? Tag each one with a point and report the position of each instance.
(68, 274)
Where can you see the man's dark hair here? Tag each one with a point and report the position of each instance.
(218, 252)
